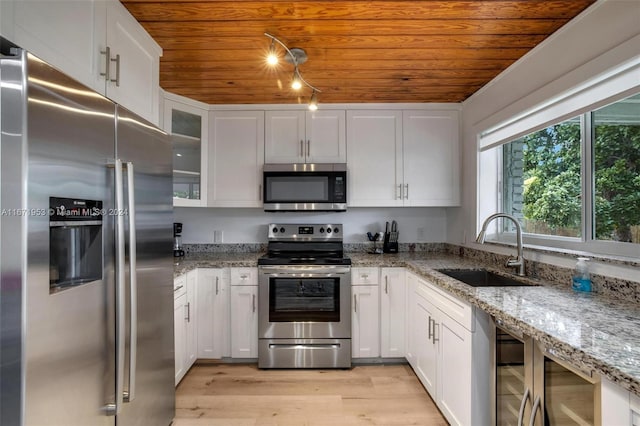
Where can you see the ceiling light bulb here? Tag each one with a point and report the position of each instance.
(296, 83)
(313, 102)
(272, 56)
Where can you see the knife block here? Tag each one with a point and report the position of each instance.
(390, 244)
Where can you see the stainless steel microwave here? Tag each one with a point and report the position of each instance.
(305, 187)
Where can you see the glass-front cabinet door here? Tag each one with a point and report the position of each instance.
(187, 125)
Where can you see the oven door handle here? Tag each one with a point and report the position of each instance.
(305, 271)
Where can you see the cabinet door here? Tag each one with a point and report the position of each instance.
(325, 137)
(454, 368)
(426, 352)
(67, 34)
(180, 336)
(285, 140)
(236, 157)
(213, 311)
(392, 312)
(431, 158)
(191, 316)
(365, 322)
(374, 158)
(187, 123)
(134, 68)
(244, 321)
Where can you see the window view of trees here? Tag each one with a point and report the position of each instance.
(542, 176)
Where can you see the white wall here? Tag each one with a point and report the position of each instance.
(249, 225)
(588, 46)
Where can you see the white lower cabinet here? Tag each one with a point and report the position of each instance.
(392, 312)
(185, 328)
(448, 348)
(365, 321)
(213, 313)
(244, 313)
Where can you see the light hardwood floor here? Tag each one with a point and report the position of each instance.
(243, 395)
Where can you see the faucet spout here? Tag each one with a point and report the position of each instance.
(517, 262)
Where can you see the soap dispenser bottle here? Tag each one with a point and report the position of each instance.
(581, 276)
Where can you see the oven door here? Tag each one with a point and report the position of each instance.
(304, 302)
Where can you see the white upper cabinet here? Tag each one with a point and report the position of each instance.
(134, 65)
(73, 36)
(235, 158)
(403, 158)
(374, 152)
(431, 160)
(305, 137)
(187, 123)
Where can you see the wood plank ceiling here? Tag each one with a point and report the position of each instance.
(358, 51)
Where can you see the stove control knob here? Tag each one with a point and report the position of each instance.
(336, 230)
(275, 230)
(282, 230)
(322, 230)
(328, 230)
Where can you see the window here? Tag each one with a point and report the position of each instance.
(577, 180)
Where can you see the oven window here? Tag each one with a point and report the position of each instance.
(304, 299)
(297, 188)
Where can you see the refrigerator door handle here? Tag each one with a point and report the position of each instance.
(133, 284)
(120, 290)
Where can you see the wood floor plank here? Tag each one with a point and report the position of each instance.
(243, 395)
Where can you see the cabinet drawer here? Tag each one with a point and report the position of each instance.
(244, 276)
(459, 311)
(365, 276)
(179, 286)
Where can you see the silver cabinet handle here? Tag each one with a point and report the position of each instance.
(107, 53)
(308, 147)
(534, 411)
(260, 192)
(177, 288)
(244, 276)
(399, 197)
(430, 332)
(117, 79)
(120, 290)
(188, 306)
(386, 284)
(406, 194)
(133, 285)
(217, 284)
(355, 304)
(523, 405)
(301, 148)
(253, 303)
(364, 276)
(435, 327)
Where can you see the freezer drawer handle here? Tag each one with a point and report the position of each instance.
(133, 285)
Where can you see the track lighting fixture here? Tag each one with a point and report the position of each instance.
(313, 102)
(296, 57)
(296, 82)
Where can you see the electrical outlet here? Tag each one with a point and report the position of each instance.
(420, 234)
(217, 236)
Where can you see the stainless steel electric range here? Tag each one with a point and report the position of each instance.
(304, 298)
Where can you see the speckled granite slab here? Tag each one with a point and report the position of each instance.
(593, 331)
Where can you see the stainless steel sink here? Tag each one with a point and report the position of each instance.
(483, 278)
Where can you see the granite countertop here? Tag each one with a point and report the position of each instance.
(590, 330)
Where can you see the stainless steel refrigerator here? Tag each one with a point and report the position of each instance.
(86, 301)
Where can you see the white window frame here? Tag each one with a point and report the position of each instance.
(607, 88)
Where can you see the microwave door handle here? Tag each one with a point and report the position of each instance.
(133, 284)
